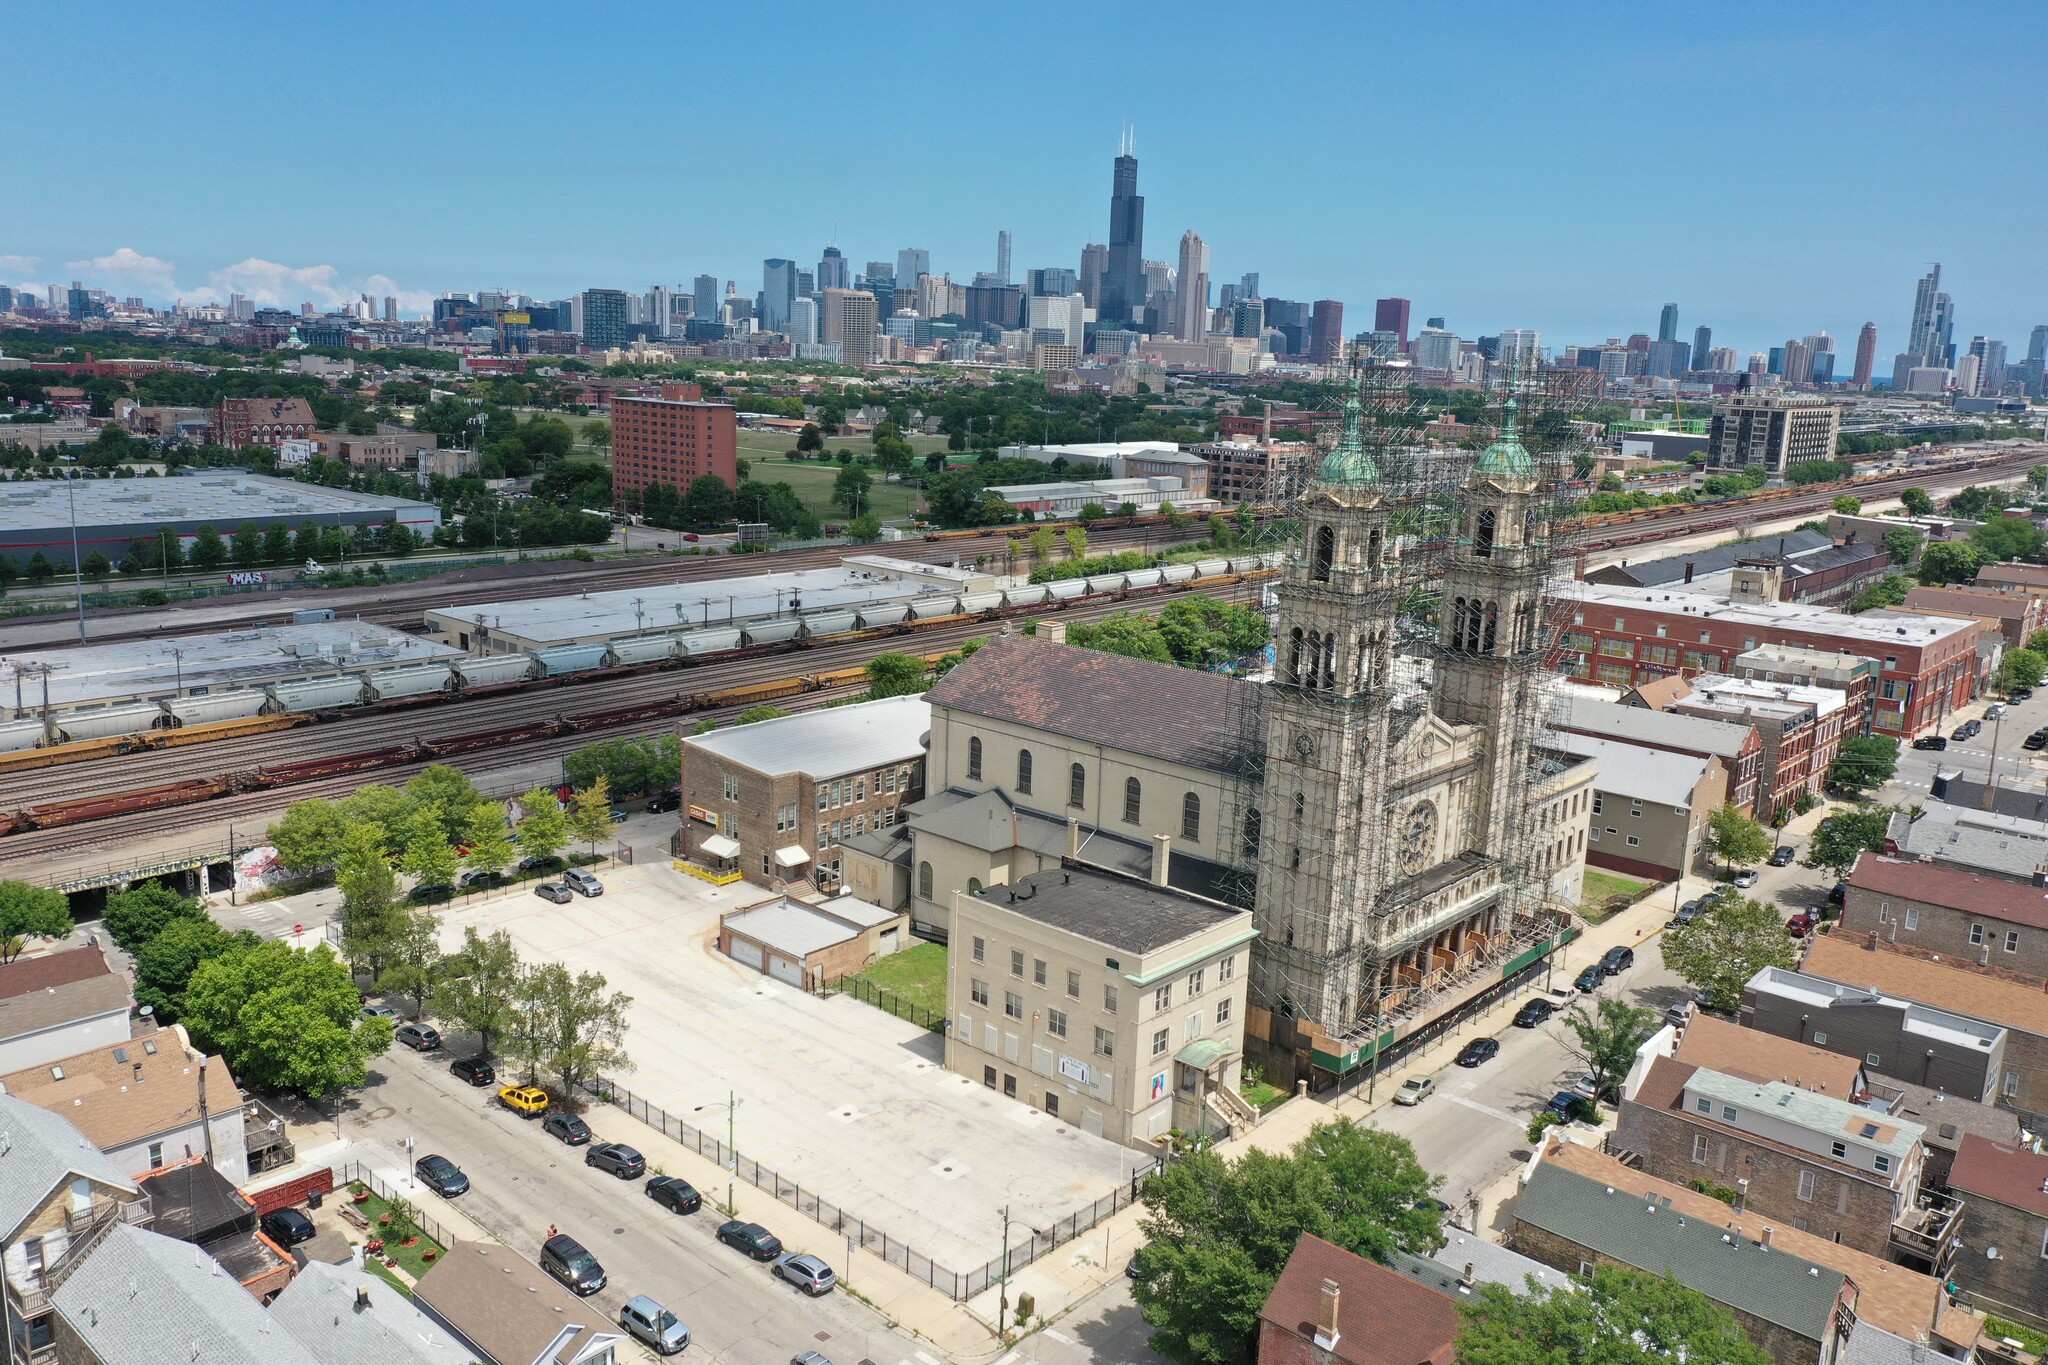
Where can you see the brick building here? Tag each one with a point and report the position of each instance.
(2016, 615)
(1946, 910)
(1333, 1307)
(262, 421)
(2005, 1221)
(1622, 636)
(1811, 567)
(1801, 728)
(1853, 675)
(1244, 471)
(774, 800)
(671, 440)
(1737, 748)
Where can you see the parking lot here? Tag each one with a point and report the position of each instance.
(849, 1102)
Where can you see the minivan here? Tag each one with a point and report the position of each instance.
(581, 882)
(563, 1257)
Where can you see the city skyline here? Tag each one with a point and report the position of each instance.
(1418, 216)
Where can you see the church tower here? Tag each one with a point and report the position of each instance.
(1325, 735)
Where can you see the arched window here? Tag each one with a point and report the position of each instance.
(1330, 660)
(974, 886)
(1300, 807)
(1375, 546)
(1294, 656)
(1315, 654)
(1482, 534)
(1191, 816)
(1492, 615)
(1249, 839)
(1077, 786)
(974, 759)
(1132, 792)
(1024, 772)
(1325, 551)
(924, 881)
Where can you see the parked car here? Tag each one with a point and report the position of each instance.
(1744, 879)
(536, 863)
(431, 894)
(1838, 893)
(565, 1258)
(2037, 740)
(662, 1331)
(1587, 1085)
(1478, 1051)
(808, 1358)
(530, 1100)
(1676, 1015)
(1967, 730)
(751, 1238)
(573, 1131)
(1533, 1013)
(1567, 1105)
(1782, 855)
(1934, 742)
(480, 880)
(1994, 711)
(554, 891)
(1689, 912)
(287, 1227)
(616, 1157)
(1801, 924)
(674, 1193)
(2019, 695)
(1415, 1090)
(663, 802)
(1590, 979)
(418, 1037)
(582, 883)
(475, 1070)
(1617, 960)
(619, 817)
(806, 1272)
(441, 1175)
(381, 1012)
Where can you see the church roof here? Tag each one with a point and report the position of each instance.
(1349, 462)
(1507, 455)
(1176, 715)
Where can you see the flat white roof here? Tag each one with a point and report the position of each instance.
(220, 496)
(1872, 627)
(827, 742)
(790, 927)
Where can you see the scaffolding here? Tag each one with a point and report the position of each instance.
(1354, 951)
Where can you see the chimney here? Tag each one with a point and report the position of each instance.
(205, 1124)
(1741, 1193)
(1162, 853)
(1469, 1278)
(1766, 1238)
(1055, 631)
(1326, 1317)
(1073, 839)
(1688, 571)
(362, 1297)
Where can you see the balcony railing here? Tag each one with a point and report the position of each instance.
(1927, 1231)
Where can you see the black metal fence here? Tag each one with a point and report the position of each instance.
(882, 998)
(354, 1173)
(956, 1284)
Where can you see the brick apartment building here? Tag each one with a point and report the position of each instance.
(2004, 1188)
(672, 439)
(1801, 728)
(262, 421)
(1244, 471)
(1737, 748)
(1623, 636)
(2016, 615)
(1963, 916)
(1853, 675)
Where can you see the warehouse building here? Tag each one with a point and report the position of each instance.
(110, 515)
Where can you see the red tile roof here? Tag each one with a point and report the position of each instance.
(1952, 888)
(1383, 1317)
(26, 974)
(2007, 1175)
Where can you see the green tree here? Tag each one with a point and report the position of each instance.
(2007, 538)
(894, 456)
(850, 488)
(369, 896)
(1619, 1317)
(166, 963)
(1717, 954)
(40, 570)
(1123, 632)
(1735, 839)
(1863, 765)
(810, 438)
(892, 674)
(2038, 642)
(415, 958)
(543, 829)
(247, 546)
(1847, 504)
(1902, 544)
(1042, 541)
(1202, 632)
(1801, 472)
(208, 550)
(1949, 561)
(2021, 668)
(135, 916)
(1610, 482)
(754, 715)
(1888, 591)
(865, 529)
(574, 1028)
(489, 840)
(2038, 476)
(590, 813)
(449, 794)
(1077, 542)
(1916, 502)
(1845, 836)
(598, 433)
(478, 989)
(1606, 1039)
(277, 543)
(283, 1018)
(388, 808)
(96, 567)
(707, 501)
(429, 859)
(1091, 511)
(30, 911)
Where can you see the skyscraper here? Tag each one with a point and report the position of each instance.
(803, 320)
(1326, 332)
(705, 291)
(832, 270)
(1094, 261)
(1051, 280)
(390, 308)
(1123, 276)
(1003, 256)
(1391, 315)
(1248, 285)
(1991, 364)
(1797, 363)
(1191, 297)
(604, 318)
(1248, 317)
(911, 262)
(2037, 343)
(1667, 323)
(1866, 355)
(1702, 344)
(778, 288)
(849, 319)
(1933, 322)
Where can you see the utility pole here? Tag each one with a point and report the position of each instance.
(1003, 1296)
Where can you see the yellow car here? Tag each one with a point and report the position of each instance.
(528, 1100)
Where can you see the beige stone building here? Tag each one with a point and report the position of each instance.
(1113, 1002)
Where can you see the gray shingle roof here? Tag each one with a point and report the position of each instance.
(1728, 1268)
(1125, 913)
(319, 1308)
(1491, 1263)
(1612, 720)
(40, 1151)
(144, 1299)
(1654, 573)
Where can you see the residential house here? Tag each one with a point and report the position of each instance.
(1960, 915)
(1739, 748)
(60, 1003)
(505, 1311)
(2015, 615)
(1801, 728)
(1894, 1037)
(2005, 1223)
(1468, 1260)
(1334, 1307)
(144, 1299)
(195, 1203)
(1949, 1121)
(59, 1196)
(1650, 806)
(344, 1315)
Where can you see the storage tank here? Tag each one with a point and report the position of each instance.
(314, 694)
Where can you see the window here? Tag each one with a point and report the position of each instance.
(1194, 1024)
(1226, 969)
(1728, 1112)
(156, 1155)
(1912, 917)
(1038, 971)
(1222, 1011)
(767, 869)
(1704, 1106)
(1074, 985)
(974, 759)
(1598, 801)
(1052, 1104)
(1131, 794)
(2012, 1083)
(1838, 1150)
(1633, 841)
(1056, 1023)
(2012, 940)
(825, 797)
(1017, 962)
(1884, 1165)
(1249, 839)
(1806, 1185)
(1872, 1059)
(1013, 1004)
(32, 1255)
(732, 788)
(1191, 816)
(1699, 1149)
(1162, 998)
(988, 1077)
(1105, 1042)
(1159, 1041)
(979, 991)
(1109, 999)
(980, 944)
(1024, 772)
(1077, 785)
(1195, 981)
(1820, 1039)
(1976, 934)
(1009, 1085)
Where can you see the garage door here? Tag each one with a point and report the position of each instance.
(749, 953)
(782, 969)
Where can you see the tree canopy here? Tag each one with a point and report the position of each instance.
(1863, 765)
(1619, 1317)
(1718, 953)
(1734, 838)
(1842, 838)
(1950, 561)
(1606, 1039)
(284, 1018)
(30, 911)
(135, 916)
(893, 674)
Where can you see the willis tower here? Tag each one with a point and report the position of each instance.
(1123, 283)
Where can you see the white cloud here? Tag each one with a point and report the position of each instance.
(266, 283)
(283, 286)
(19, 262)
(130, 269)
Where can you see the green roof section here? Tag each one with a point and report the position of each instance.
(1349, 463)
(1507, 455)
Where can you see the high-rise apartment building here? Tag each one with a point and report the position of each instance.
(1052, 281)
(1003, 256)
(1990, 364)
(803, 320)
(1520, 348)
(605, 319)
(1866, 355)
(1702, 345)
(1094, 263)
(1391, 315)
(1435, 349)
(911, 263)
(1667, 323)
(1056, 321)
(1931, 339)
(1326, 332)
(1796, 363)
(832, 270)
(1123, 276)
(1668, 359)
(1191, 299)
(671, 440)
(778, 289)
(849, 319)
(705, 293)
(390, 308)
(1248, 285)
(1248, 317)
(1772, 430)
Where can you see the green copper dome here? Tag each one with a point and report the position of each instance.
(1507, 455)
(1349, 463)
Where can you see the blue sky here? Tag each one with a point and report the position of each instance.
(1774, 169)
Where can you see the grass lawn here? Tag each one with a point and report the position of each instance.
(1606, 892)
(757, 444)
(917, 974)
(412, 1260)
(376, 1267)
(1261, 1096)
(813, 486)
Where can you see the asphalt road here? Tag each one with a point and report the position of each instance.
(1973, 756)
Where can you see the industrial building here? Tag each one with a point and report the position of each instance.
(50, 516)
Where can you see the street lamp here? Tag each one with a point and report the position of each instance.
(732, 1103)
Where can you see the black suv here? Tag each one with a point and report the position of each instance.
(1782, 856)
(661, 802)
(475, 1070)
(1590, 979)
(287, 1227)
(2037, 740)
(1617, 960)
(1967, 730)
(616, 1157)
(755, 1240)
(565, 1258)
